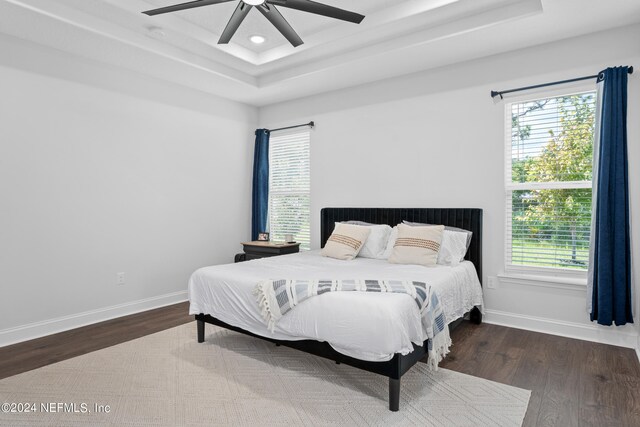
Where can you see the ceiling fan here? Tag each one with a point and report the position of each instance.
(268, 9)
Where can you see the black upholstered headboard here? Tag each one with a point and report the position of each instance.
(469, 219)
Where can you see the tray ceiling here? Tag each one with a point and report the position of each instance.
(395, 38)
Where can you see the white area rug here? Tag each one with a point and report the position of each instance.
(168, 379)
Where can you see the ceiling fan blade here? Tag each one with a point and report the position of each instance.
(183, 6)
(278, 21)
(319, 9)
(236, 19)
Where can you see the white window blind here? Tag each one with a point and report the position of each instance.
(290, 186)
(549, 156)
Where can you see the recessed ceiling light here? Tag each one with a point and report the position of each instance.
(257, 39)
(254, 2)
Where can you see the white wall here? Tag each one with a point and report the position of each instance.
(105, 171)
(110, 173)
(436, 139)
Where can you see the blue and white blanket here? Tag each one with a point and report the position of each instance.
(277, 297)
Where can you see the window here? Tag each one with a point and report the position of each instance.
(549, 156)
(290, 186)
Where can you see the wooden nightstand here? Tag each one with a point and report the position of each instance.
(255, 250)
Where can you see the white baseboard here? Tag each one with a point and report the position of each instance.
(565, 329)
(52, 326)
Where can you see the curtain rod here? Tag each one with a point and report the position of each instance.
(310, 124)
(495, 93)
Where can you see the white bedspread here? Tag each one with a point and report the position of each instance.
(367, 326)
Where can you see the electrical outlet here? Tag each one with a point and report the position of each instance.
(492, 282)
(120, 279)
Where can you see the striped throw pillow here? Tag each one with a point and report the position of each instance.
(417, 245)
(346, 241)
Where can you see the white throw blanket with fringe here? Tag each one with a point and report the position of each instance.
(277, 297)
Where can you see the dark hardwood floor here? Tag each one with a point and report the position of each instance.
(573, 382)
(39, 352)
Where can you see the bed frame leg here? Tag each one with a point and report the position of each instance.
(475, 316)
(200, 330)
(394, 394)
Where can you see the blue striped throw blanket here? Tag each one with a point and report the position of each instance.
(277, 297)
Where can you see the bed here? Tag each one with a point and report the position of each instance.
(374, 332)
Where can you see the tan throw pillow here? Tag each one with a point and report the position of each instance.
(346, 241)
(417, 245)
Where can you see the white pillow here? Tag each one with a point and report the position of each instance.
(417, 245)
(393, 236)
(346, 241)
(376, 243)
(453, 248)
(446, 227)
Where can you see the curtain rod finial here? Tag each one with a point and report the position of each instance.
(630, 70)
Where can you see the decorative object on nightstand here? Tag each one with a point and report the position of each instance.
(263, 236)
(260, 249)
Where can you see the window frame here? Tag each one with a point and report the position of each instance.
(523, 271)
(285, 133)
